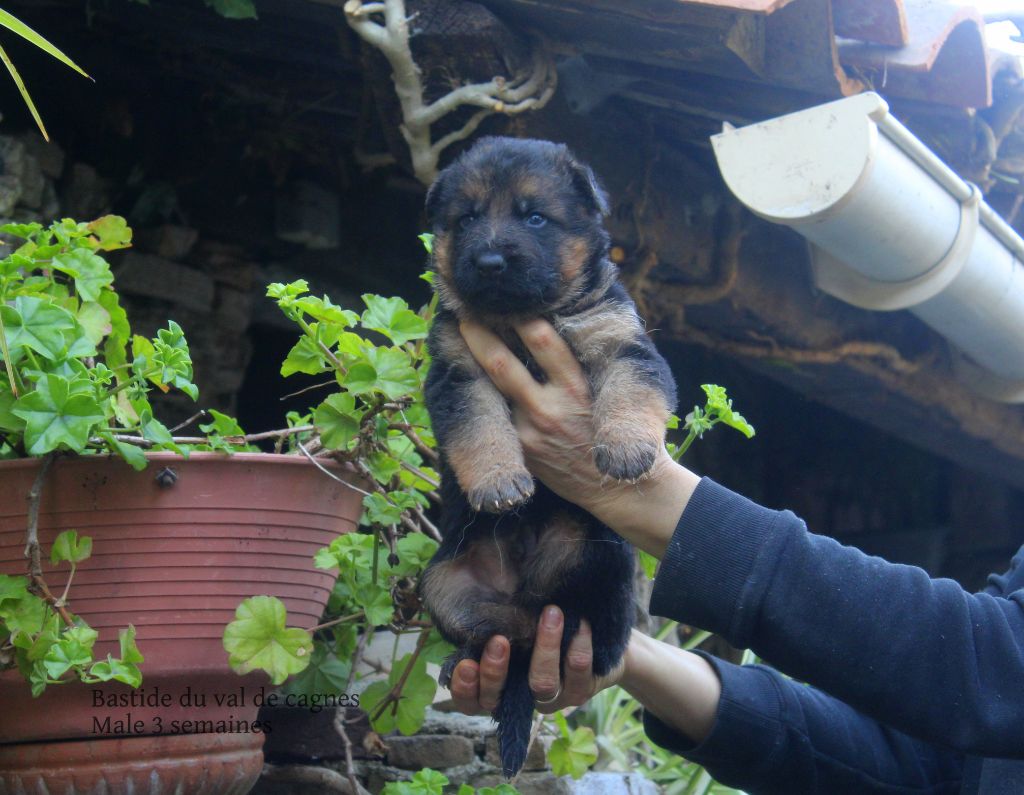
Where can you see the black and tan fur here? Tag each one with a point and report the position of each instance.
(518, 235)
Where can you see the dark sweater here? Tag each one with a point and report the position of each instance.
(915, 685)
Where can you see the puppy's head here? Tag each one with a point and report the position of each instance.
(518, 228)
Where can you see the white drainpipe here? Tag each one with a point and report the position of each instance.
(891, 227)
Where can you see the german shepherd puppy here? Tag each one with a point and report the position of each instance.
(518, 235)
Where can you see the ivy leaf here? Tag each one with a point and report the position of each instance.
(258, 638)
(395, 374)
(417, 694)
(573, 755)
(68, 546)
(337, 420)
(111, 232)
(56, 415)
(90, 272)
(37, 325)
(393, 318)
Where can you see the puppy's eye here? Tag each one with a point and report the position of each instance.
(536, 220)
(466, 220)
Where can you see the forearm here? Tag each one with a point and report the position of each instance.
(919, 654)
(680, 688)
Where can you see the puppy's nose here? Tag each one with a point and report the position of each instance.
(491, 263)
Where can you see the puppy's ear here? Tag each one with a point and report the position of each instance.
(434, 194)
(588, 187)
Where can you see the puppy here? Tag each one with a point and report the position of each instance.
(519, 234)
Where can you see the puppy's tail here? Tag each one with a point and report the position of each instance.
(515, 716)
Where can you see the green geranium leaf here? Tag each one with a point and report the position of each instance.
(129, 651)
(377, 604)
(69, 547)
(360, 378)
(73, 648)
(417, 694)
(135, 456)
(90, 272)
(12, 588)
(8, 420)
(24, 231)
(111, 232)
(573, 755)
(24, 617)
(324, 309)
(437, 649)
(326, 674)
(424, 782)
(395, 374)
(416, 549)
(94, 321)
(38, 325)
(393, 318)
(304, 357)
(117, 670)
(56, 415)
(337, 420)
(258, 639)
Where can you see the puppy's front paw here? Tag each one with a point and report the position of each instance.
(501, 490)
(625, 460)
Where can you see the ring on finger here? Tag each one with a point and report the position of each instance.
(548, 701)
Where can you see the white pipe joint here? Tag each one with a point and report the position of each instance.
(890, 226)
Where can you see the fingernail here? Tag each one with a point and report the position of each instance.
(467, 675)
(495, 650)
(552, 618)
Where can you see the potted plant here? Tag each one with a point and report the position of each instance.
(157, 538)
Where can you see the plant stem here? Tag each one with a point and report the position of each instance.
(7, 357)
(396, 692)
(32, 549)
(336, 621)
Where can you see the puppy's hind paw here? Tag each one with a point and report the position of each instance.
(625, 460)
(501, 491)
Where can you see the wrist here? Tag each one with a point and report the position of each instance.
(646, 513)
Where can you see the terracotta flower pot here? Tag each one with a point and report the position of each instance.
(175, 561)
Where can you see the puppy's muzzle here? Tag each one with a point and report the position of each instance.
(491, 263)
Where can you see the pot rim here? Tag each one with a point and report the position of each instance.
(289, 459)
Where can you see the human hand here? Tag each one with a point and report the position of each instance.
(556, 431)
(476, 687)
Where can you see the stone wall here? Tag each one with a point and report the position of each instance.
(305, 754)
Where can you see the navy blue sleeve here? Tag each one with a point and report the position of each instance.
(773, 735)
(918, 654)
